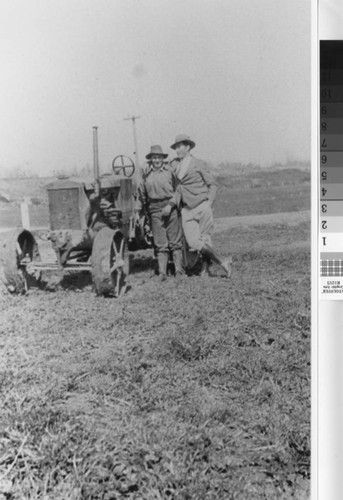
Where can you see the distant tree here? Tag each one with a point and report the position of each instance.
(18, 172)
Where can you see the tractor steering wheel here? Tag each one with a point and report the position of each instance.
(119, 164)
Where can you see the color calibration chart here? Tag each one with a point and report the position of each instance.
(331, 170)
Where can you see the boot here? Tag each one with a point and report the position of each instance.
(178, 263)
(209, 251)
(205, 267)
(162, 265)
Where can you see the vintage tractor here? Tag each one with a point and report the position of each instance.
(93, 223)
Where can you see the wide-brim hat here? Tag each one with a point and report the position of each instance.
(183, 138)
(156, 150)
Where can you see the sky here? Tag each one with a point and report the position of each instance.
(232, 74)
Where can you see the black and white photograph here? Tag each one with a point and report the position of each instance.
(155, 250)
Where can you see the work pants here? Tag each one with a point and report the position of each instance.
(166, 231)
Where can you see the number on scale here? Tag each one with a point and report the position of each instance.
(325, 76)
(324, 126)
(325, 93)
(324, 208)
(324, 175)
(324, 143)
(324, 224)
(324, 191)
(323, 110)
(324, 241)
(324, 159)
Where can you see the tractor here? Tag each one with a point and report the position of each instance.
(93, 224)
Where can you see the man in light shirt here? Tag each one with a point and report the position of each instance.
(195, 194)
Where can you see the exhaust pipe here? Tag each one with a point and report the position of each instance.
(96, 162)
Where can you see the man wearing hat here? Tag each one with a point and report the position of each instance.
(195, 194)
(155, 192)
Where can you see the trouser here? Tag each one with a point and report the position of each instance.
(166, 231)
(198, 224)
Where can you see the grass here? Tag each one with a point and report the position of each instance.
(262, 200)
(191, 391)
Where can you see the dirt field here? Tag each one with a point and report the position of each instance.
(198, 390)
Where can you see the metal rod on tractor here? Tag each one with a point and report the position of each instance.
(96, 163)
(136, 179)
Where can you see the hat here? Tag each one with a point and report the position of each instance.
(183, 138)
(156, 150)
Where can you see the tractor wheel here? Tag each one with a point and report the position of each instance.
(20, 247)
(110, 262)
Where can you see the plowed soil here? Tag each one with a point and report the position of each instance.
(184, 390)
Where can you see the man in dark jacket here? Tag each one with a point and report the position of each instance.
(195, 194)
